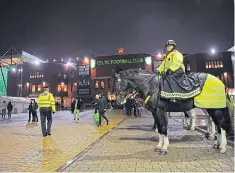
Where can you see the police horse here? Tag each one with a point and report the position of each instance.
(148, 86)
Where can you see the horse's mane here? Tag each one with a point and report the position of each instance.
(133, 72)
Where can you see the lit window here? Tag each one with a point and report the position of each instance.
(214, 64)
(209, 64)
(188, 67)
(65, 88)
(102, 84)
(33, 88)
(59, 88)
(96, 84)
(221, 64)
(39, 87)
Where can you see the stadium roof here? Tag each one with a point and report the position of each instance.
(12, 57)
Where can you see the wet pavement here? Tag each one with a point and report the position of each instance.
(130, 147)
(25, 150)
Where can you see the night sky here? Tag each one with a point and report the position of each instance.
(77, 28)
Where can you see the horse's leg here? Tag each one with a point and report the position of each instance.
(185, 118)
(210, 134)
(160, 136)
(212, 130)
(162, 121)
(225, 126)
(218, 141)
(192, 115)
(223, 141)
(215, 118)
(155, 121)
(164, 125)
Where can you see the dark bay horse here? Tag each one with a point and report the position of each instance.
(147, 85)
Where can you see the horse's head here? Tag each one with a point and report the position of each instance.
(135, 79)
(120, 84)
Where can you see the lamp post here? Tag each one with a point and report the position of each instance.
(62, 93)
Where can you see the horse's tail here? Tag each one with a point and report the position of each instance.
(230, 111)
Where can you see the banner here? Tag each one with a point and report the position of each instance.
(84, 79)
(3, 91)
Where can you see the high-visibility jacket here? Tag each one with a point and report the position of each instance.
(46, 100)
(173, 61)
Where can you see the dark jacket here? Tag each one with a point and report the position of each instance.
(102, 105)
(34, 106)
(129, 103)
(9, 107)
(30, 107)
(73, 105)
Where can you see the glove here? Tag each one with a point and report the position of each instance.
(53, 112)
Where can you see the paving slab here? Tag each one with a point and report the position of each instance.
(25, 150)
(130, 147)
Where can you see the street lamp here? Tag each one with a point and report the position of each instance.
(86, 59)
(213, 51)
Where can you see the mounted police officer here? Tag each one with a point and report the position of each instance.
(46, 105)
(175, 84)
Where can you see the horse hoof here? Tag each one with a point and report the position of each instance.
(223, 151)
(211, 138)
(163, 152)
(216, 146)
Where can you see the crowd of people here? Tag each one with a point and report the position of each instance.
(6, 108)
(100, 106)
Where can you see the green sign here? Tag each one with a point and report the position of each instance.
(120, 61)
(3, 91)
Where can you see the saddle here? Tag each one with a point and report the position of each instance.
(181, 86)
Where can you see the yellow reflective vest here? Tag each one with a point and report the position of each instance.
(173, 61)
(46, 100)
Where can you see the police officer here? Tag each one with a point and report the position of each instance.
(173, 60)
(46, 104)
(175, 84)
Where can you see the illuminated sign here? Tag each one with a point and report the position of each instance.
(83, 79)
(120, 61)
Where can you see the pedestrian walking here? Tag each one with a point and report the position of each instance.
(30, 110)
(4, 109)
(46, 104)
(75, 108)
(102, 107)
(34, 111)
(9, 109)
(129, 106)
